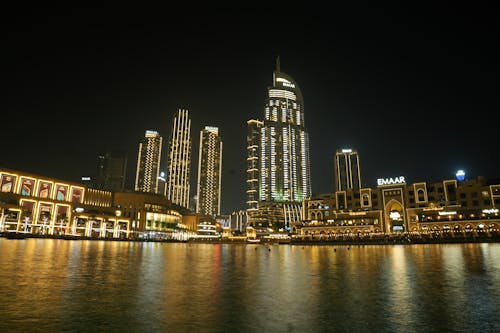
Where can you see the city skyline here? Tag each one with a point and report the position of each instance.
(413, 96)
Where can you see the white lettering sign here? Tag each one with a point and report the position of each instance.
(286, 84)
(390, 181)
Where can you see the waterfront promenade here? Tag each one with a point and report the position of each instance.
(381, 239)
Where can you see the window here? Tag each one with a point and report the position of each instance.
(421, 195)
(366, 200)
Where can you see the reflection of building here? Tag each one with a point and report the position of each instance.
(394, 206)
(282, 145)
(347, 172)
(148, 163)
(40, 205)
(209, 172)
(179, 160)
(111, 170)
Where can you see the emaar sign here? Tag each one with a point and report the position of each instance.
(391, 181)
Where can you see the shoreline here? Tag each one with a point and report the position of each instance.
(294, 241)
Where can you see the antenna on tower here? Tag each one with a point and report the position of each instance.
(278, 64)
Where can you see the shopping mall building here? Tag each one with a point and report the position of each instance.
(450, 206)
(45, 206)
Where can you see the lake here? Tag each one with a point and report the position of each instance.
(53, 285)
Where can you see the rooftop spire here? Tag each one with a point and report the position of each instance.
(278, 64)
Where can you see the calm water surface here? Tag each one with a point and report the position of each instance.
(96, 286)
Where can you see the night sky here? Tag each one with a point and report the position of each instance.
(415, 94)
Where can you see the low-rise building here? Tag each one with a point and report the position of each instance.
(395, 207)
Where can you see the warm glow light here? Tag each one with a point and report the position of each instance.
(447, 213)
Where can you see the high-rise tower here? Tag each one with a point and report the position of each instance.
(284, 150)
(278, 152)
(347, 172)
(209, 172)
(179, 160)
(253, 157)
(148, 163)
(111, 170)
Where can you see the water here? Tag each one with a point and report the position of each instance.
(103, 286)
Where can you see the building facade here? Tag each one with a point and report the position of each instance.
(253, 166)
(347, 171)
(179, 160)
(282, 149)
(38, 205)
(152, 216)
(111, 171)
(148, 163)
(394, 206)
(209, 172)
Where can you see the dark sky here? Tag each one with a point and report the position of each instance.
(414, 92)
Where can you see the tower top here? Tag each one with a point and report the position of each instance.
(278, 64)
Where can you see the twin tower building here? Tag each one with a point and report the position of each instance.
(278, 167)
(175, 185)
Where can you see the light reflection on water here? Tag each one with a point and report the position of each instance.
(59, 285)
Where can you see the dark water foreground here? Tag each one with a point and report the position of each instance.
(54, 285)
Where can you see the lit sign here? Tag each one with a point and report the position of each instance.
(390, 181)
(285, 82)
(448, 213)
(85, 178)
(347, 150)
(490, 211)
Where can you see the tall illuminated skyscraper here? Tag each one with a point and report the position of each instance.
(148, 163)
(179, 160)
(283, 152)
(209, 172)
(347, 172)
(253, 157)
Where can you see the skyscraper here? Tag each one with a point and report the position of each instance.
(111, 170)
(253, 157)
(209, 172)
(284, 151)
(283, 154)
(148, 163)
(347, 172)
(179, 160)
